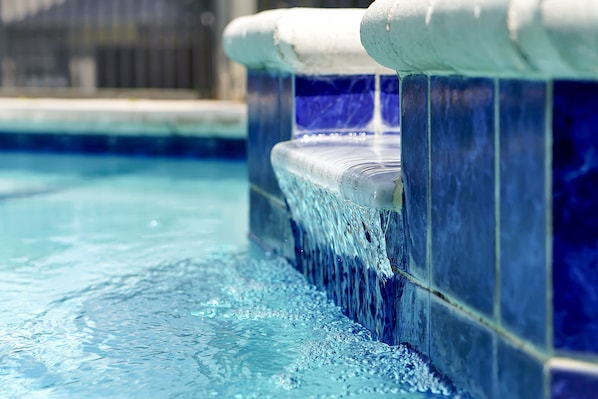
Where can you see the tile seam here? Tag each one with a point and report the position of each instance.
(483, 321)
(497, 279)
(548, 139)
(497, 186)
(428, 259)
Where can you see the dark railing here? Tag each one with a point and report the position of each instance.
(90, 46)
(267, 4)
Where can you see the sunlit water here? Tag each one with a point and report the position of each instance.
(124, 278)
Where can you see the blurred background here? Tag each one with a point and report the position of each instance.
(125, 48)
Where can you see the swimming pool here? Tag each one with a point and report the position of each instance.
(130, 277)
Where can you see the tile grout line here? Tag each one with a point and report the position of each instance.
(497, 281)
(549, 220)
(429, 210)
(497, 259)
(549, 231)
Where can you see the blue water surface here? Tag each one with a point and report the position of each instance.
(133, 278)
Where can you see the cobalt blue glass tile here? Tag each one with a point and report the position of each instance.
(287, 111)
(334, 104)
(264, 128)
(461, 349)
(414, 162)
(254, 79)
(575, 216)
(412, 307)
(577, 384)
(389, 100)
(254, 84)
(462, 189)
(269, 223)
(519, 375)
(523, 208)
(175, 146)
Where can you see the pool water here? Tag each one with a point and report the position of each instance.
(128, 278)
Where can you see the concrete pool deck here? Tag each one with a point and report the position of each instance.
(124, 117)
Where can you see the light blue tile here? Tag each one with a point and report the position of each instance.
(462, 177)
(523, 224)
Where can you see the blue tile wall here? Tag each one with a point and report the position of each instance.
(389, 101)
(569, 384)
(449, 148)
(360, 292)
(140, 145)
(393, 225)
(523, 209)
(414, 162)
(264, 130)
(461, 348)
(270, 224)
(519, 375)
(575, 216)
(462, 184)
(287, 111)
(413, 316)
(334, 104)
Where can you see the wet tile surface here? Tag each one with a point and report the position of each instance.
(523, 212)
(413, 314)
(519, 376)
(287, 112)
(462, 349)
(328, 104)
(389, 100)
(393, 225)
(575, 216)
(263, 103)
(414, 162)
(462, 177)
(270, 225)
(567, 384)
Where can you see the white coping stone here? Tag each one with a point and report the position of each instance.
(190, 118)
(511, 38)
(307, 41)
(364, 169)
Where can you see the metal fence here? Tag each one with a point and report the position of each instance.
(90, 46)
(267, 4)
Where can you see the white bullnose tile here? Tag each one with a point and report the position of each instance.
(301, 40)
(510, 38)
(124, 117)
